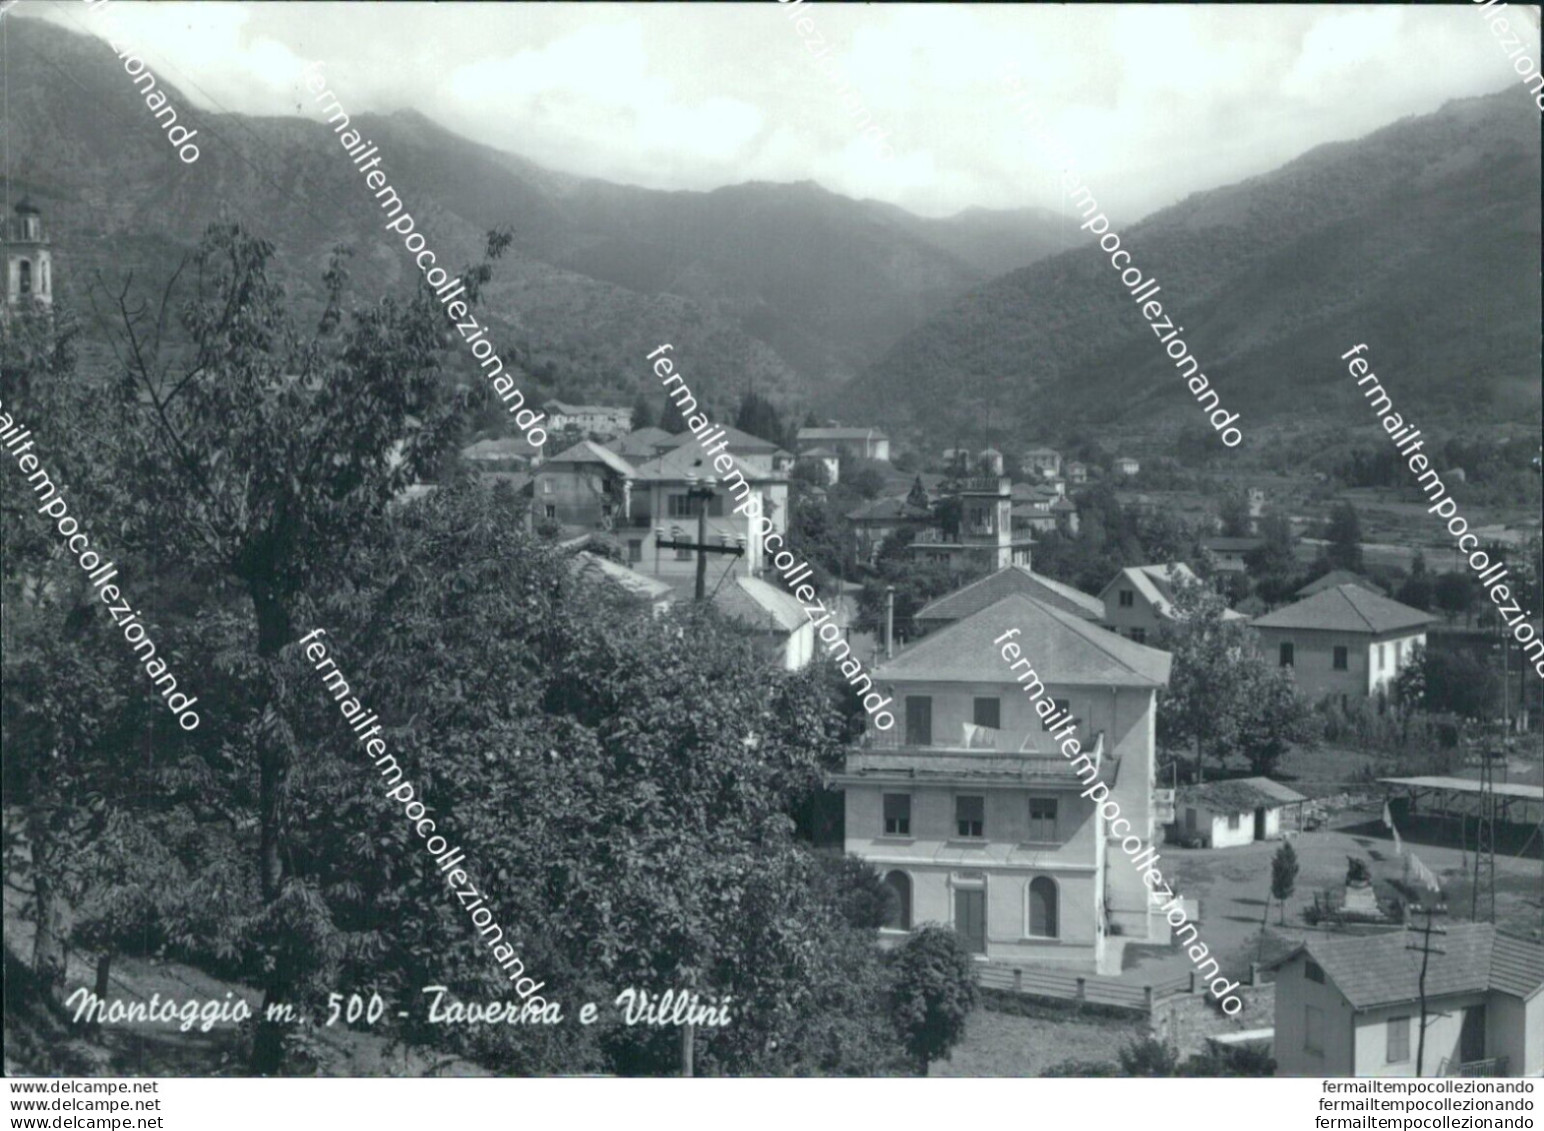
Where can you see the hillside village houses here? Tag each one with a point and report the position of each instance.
(1228, 554)
(591, 488)
(605, 420)
(1344, 641)
(879, 519)
(984, 538)
(1352, 1006)
(971, 812)
(1125, 465)
(854, 443)
(1041, 463)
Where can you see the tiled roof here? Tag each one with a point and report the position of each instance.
(1062, 648)
(1338, 577)
(1013, 579)
(588, 451)
(1156, 583)
(1379, 970)
(587, 409)
(643, 442)
(689, 459)
(1346, 608)
(759, 604)
(818, 434)
(737, 441)
(887, 510)
(1516, 965)
(1239, 794)
(630, 581)
(506, 447)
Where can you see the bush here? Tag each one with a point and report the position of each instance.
(1083, 1068)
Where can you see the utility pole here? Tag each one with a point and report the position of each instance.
(889, 621)
(687, 1038)
(1485, 839)
(1426, 953)
(701, 495)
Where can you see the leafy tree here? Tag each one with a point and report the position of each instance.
(810, 471)
(1284, 876)
(933, 993)
(266, 444)
(1233, 514)
(1442, 682)
(1224, 697)
(1275, 557)
(1164, 537)
(1275, 718)
(1417, 590)
(1344, 533)
(1206, 700)
(866, 477)
(1455, 593)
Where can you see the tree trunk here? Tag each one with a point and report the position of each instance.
(273, 760)
(48, 908)
(1200, 774)
(104, 969)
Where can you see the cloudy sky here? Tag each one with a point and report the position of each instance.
(1154, 102)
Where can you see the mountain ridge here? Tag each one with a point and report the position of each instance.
(1279, 262)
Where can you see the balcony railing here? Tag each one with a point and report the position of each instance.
(1490, 1066)
(982, 740)
(976, 484)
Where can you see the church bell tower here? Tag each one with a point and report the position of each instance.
(27, 259)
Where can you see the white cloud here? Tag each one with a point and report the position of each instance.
(1155, 101)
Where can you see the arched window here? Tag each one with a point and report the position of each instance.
(25, 277)
(899, 911)
(1042, 908)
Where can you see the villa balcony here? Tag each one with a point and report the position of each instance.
(1490, 1066)
(975, 756)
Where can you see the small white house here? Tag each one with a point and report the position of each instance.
(1225, 814)
(1353, 1006)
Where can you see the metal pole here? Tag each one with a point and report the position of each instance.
(702, 540)
(889, 621)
